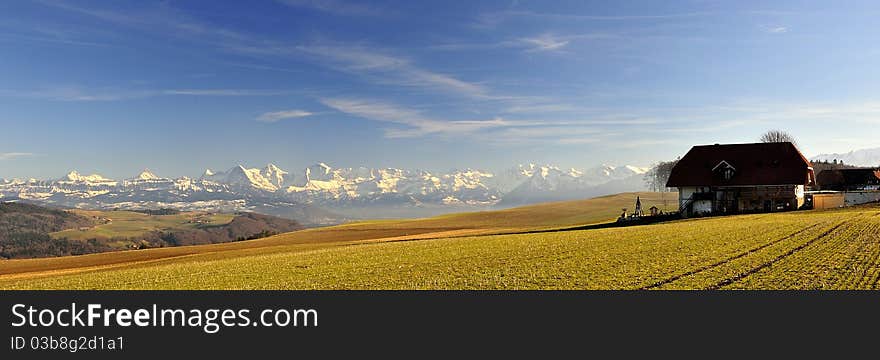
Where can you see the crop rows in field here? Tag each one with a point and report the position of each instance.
(848, 258)
(727, 260)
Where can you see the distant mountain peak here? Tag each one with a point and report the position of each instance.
(242, 176)
(147, 175)
(274, 175)
(75, 176)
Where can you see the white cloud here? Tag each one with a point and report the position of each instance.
(76, 93)
(359, 60)
(546, 42)
(334, 6)
(223, 92)
(494, 130)
(14, 155)
(391, 69)
(774, 29)
(281, 115)
(540, 108)
(536, 43)
(491, 20)
(416, 124)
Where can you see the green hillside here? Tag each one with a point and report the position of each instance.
(112, 224)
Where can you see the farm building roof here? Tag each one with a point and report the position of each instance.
(751, 164)
(848, 177)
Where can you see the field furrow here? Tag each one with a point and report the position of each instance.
(726, 260)
(849, 259)
(769, 263)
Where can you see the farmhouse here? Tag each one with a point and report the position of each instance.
(737, 178)
(849, 179)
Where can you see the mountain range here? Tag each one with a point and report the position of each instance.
(863, 157)
(321, 194)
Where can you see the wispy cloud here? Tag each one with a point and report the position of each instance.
(546, 42)
(391, 69)
(495, 130)
(45, 39)
(160, 19)
(540, 108)
(14, 155)
(535, 43)
(366, 62)
(224, 92)
(415, 123)
(76, 93)
(493, 19)
(276, 116)
(337, 7)
(773, 29)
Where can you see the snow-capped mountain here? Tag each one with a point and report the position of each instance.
(74, 177)
(370, 192)
(550, 183)
(863, 157)
(242, 179)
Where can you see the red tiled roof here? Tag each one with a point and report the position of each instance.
(754, 164)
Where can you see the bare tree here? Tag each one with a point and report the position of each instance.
(658, 175)
(776, 136)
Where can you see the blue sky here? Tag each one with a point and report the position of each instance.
(179, 86)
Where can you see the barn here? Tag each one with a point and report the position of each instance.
(741, 178)
(849, 179)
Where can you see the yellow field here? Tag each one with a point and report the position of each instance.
(543, 216)
(132, 224)
(838, 249)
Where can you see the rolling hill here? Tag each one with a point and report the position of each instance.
(16, 217)
(28, 231)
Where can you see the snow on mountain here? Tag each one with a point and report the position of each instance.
(244, 178)
(275, 175)
(550, 183)
(320, 186)
(74, 177)
(509, 179)
(147, 175)
(863, 157)
(322, 183)
(146, 180)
